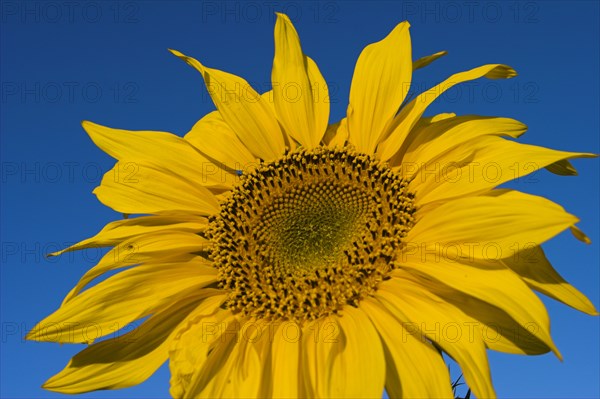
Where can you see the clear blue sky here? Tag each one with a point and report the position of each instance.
(107, 61)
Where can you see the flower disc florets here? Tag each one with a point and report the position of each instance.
(303, 236)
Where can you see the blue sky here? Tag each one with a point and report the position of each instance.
(107, 61)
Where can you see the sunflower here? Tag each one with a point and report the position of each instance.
(278, 255)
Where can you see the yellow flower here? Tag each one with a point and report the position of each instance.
(279, 256)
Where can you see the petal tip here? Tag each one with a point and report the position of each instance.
(501, 72)
(176, 53)
(38, 334)
(92, 128)
(580, 235)
(282, 16)
(31, 336)
(53, 384)
(87, 124)
(557, 353)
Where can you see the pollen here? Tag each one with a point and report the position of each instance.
(301, 237)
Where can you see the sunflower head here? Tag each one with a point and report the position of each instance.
(364, 237)
(302, 237)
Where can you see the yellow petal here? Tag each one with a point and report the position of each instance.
(134, 187)
(126, 360)
(580, 235)
(396, 162)
(410, 114)
(121, 299)
(289, 141)
(535, 269)
(215, 357)
(214, 367)
(248, 368)
(489, 226)
(300, 92)
(158, 150)
(414, 368)
(214, 138)
(338, 362)
(442, 135)
(562, 168)
(336, 134)
(499, 331)
(192, 341)
(491, 282)
(478, 166)
(423, 313)
(319, 342)
(117, 231)
(244, 110)
(286, 379)
(240, 377)
(380, 82)
(144, 248)
(424, 61)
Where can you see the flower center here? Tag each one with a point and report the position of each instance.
(303, 236)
